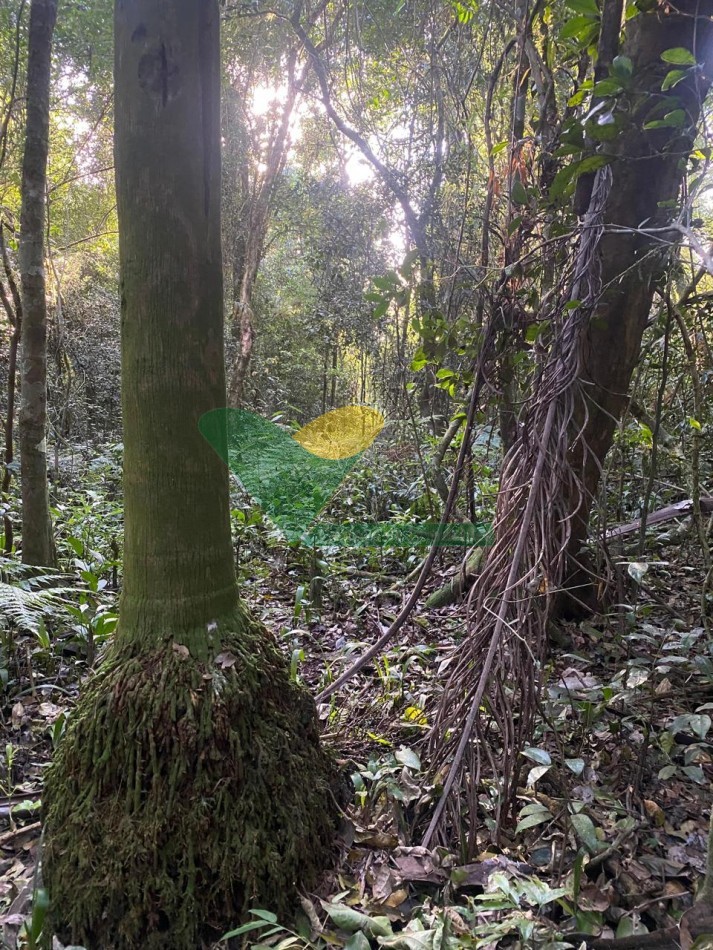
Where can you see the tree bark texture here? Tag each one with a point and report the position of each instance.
(177, 550)
(648, 166)
(37, 543)
(190, 785)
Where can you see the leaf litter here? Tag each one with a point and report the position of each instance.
(609, 831)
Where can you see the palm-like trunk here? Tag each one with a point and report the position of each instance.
(37, 543)
(190, 785)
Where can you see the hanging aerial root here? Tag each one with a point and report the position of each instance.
(183, 794)
(487, 710)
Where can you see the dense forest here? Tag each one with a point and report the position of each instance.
(356, 585)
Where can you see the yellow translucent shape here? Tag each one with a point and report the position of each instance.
(341, 433)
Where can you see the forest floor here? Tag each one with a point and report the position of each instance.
(608, 834)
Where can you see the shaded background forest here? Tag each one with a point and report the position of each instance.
(364, 239)
(404, 186)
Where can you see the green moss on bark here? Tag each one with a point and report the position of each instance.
(185, 793)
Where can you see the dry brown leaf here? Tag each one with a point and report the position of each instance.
(18, 711)
(383, 881)
(655, 812)
(418, 864)
(591, 898)
(397, 897)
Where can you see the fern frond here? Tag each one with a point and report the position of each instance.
(29, 595)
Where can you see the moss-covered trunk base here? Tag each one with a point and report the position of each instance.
(184, 793)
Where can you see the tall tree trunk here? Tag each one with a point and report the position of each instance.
(12, 304)
(252, 217)
(647, 169)
(243, 317)
(37, 543)
(333, 385)
(551, 473)
(190, 784)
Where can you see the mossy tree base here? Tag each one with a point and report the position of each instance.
(184, 793)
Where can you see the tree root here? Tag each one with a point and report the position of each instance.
(185, 793)
(460, 584)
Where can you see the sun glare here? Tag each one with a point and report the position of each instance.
(266, 97)
(358, 170)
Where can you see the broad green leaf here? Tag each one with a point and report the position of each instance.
(575, 765)
(352, 920)
(540, 756)
(635, 677)
(426, 940)
(678, 56)
(419, 360)
(518, 192)
(622, 66)
(538, 893)
(534, 330)
(695, 772)
(576, 100)
(561, 181)
(533, 808)
(608, 87)
(536, 773)
(514, 224)
(565, 176)
(586, 7)
(408, 758)
(531, 820)
(676, 119)
(698, 723)
(576, 28)
(414, 713)
(586, 832)
(627, 927)
(464, 14)
(357, 941)
(672, 78)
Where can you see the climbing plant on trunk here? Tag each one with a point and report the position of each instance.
(648, 162)
(191, 784)
(597, 318)
(37, 543)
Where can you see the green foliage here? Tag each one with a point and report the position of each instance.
(29, 597)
